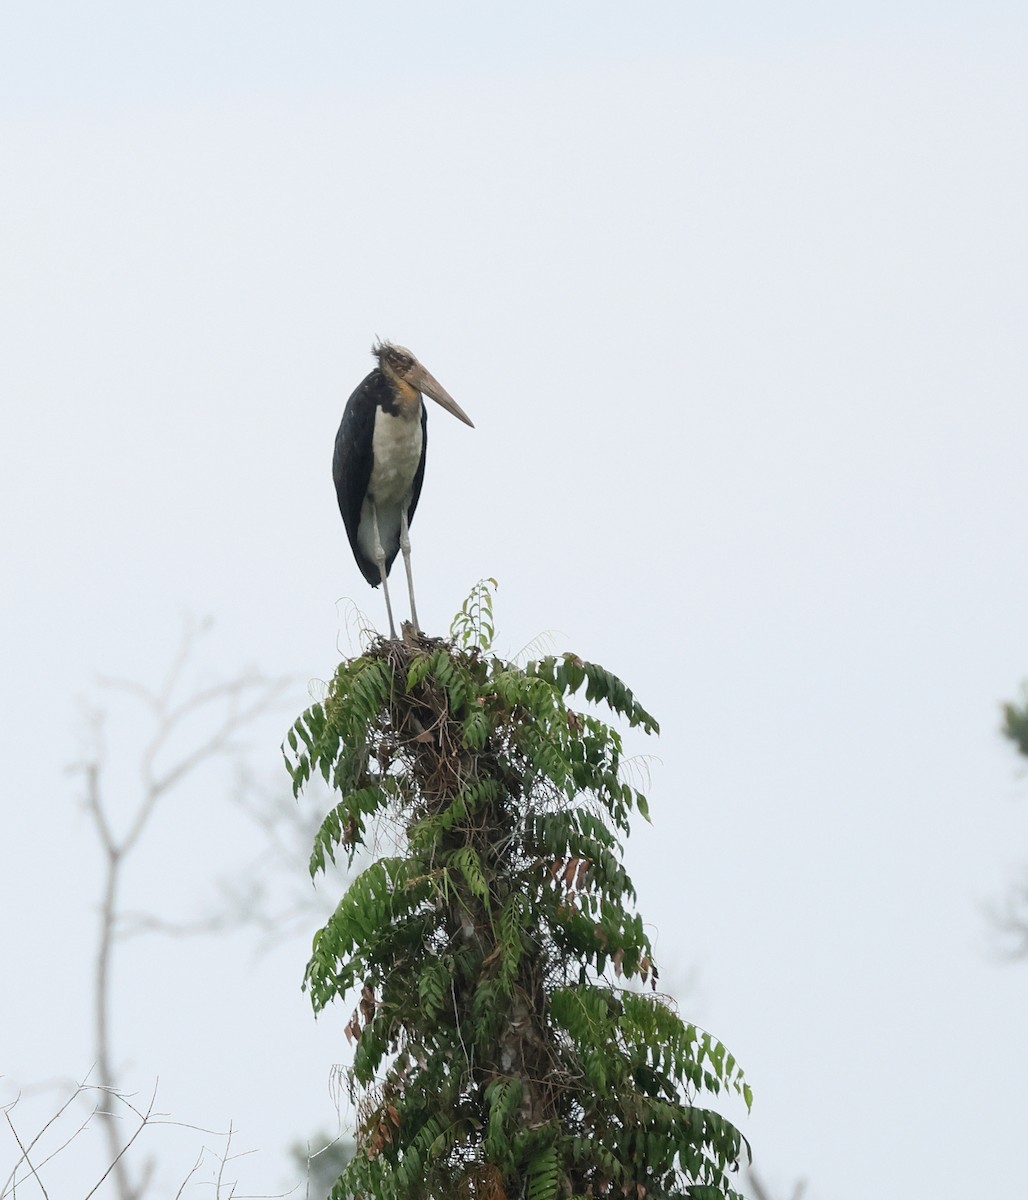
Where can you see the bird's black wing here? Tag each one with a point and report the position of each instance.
(419, 474)
(352, 463)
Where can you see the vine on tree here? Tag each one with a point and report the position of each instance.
(505, 1045)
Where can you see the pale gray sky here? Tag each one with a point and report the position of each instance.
(736, 297)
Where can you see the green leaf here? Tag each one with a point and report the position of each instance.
(482, 964)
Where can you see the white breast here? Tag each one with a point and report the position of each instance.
(396, 444)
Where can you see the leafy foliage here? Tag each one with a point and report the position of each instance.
(1012, 916)
(473, 625)
(1015, 724)
(499, 1050)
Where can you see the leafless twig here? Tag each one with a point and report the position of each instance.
(144, 1120)
(28, 1168)
(10, 1183)
(761, 1192)
(1011, 923)
(222, 710)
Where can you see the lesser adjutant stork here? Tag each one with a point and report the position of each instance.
(379, 462)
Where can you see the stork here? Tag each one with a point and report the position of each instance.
(379, 462)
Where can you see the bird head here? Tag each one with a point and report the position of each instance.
(401, 367)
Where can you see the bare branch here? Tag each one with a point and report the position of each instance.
(91, 768)
(192, 632)
(229, 693)
(11, 1180)
(224, 1160)
(221, 710)
(83, 1124)
(1011, 922)
(144, 1120)
(192, 1171)
(760, 1192)
(25, 1154)
(130, 687)
(108, 1101)
(269, 691)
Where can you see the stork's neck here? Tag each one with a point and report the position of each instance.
(406, 400)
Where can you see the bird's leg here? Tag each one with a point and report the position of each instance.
(380, 558)
(405, 548)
